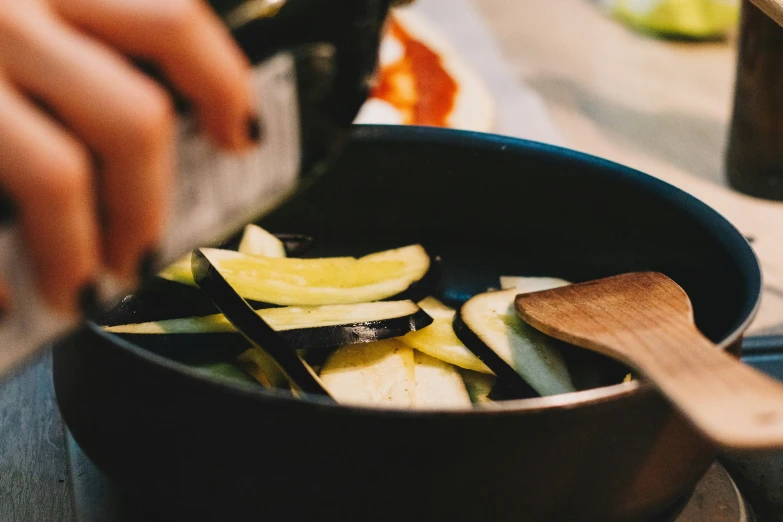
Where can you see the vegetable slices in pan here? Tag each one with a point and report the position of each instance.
(313, 327)
(353, 323)
(439, 340)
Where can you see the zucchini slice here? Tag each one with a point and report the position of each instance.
(310, 327)
(519, 354)
(293, 281)
(258, 242)
(439, 340)
(438, 384)
(531, 284)
(379, 374)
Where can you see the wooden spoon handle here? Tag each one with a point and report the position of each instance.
(730, 402)
(771, 8)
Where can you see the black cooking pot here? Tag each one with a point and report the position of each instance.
(199, 448)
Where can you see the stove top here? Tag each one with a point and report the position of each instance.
(715, 498)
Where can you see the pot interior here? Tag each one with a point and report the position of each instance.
(491, 206)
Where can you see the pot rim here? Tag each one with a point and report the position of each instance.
(725, 231)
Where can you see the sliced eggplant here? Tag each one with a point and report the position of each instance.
(293, 281)
(255, 241)
(311, 327)
(479, 385)
(379, 374)
(520, 355)
(531, 284)
(258, 242)
(438, 384)
(587, 369)
(439, 340)
(281, 357)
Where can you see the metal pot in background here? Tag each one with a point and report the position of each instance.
(754, 155)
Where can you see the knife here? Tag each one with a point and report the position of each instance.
(215, 194)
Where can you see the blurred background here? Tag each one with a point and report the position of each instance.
(646, 83)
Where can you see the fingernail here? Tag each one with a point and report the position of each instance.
(254, 131)
(88, 300)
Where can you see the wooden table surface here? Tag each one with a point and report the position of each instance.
(657, 106)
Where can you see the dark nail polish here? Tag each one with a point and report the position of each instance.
(254, 131)
(88, 300)
(148, 264)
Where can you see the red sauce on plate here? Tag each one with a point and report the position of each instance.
(417, 84)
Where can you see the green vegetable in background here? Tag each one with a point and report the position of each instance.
(688, 18)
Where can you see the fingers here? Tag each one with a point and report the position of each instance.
(48, 174)
(192, 46)
(119, 114)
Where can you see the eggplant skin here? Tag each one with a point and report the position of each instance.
(512, 384)
(226, 346)
(331, 336)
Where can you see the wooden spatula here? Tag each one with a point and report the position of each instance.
(771, 8)
(645, 320)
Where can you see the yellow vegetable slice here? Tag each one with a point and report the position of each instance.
(439, 340)
(380, 373)
(292, 281)
(438, 384)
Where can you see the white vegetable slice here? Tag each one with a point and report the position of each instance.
(292, 281)
(531, 284)
(439, 340)
(380, 373)
(258, 242)
(438, 384)
(491, 317)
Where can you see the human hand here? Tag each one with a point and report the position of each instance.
(87, 139)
